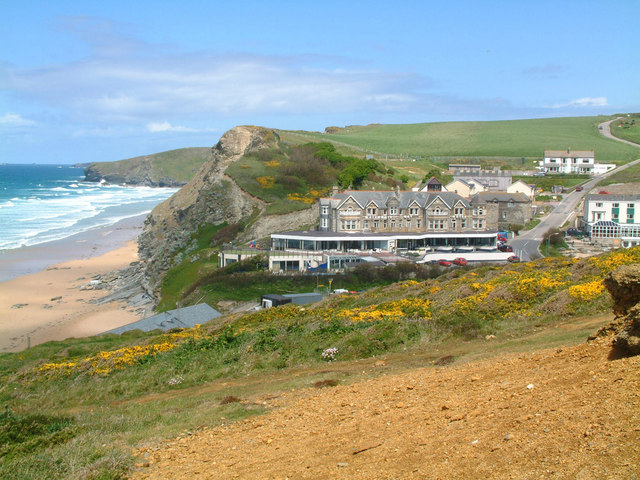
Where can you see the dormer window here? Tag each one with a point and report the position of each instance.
(393, 211)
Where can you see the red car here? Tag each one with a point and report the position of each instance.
(444, 263)
(505, 248)
(579, 188)
(513, 259)
(460, 261)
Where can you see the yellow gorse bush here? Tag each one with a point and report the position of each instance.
(103, 363)
(265, 182)
(586, 291)
(395, 310)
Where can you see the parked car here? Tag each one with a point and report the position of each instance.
(505, 248)
(460, 261)
(513, 259)
(603, 192)
(444, 263)
(579, 188)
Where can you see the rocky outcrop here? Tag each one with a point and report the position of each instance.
(209, 198)
(624, 286)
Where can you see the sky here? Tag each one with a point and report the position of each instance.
(84, 81)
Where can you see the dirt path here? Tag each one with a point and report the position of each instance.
(559, 413)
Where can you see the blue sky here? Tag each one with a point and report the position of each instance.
(88, 80)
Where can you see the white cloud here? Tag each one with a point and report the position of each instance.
(584, 102)
(15, 120)
(167, 127)
(133, 82)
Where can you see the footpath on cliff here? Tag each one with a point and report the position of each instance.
(564, 412)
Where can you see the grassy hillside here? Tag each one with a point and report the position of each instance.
(292, 177)
(74, 409)
(476, 140)
(180, 164)
(627, 128)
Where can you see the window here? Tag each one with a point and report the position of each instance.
(458, 211)
(325, 210)
(413, 211)
(366, 224)
(375, 223)
(371, 211)
(393, 224)
(384, 224)
(614, 216)
(324, 223)
(630, 205)
(598, 204)
(504, 215)
(453, 224)
(464, 223)
(615, 205)
(393, 211)
(419, 224)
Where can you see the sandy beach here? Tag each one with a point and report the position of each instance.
(40, 287)
(50, 305)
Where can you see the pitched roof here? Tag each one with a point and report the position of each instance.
(179, 318)
(493, 197)
(405, 198)
(569, 153)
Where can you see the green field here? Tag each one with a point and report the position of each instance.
(476, 140)
(627, 128)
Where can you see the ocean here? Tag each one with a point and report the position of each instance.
(46, 203)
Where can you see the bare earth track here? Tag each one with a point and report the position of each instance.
(565, 413)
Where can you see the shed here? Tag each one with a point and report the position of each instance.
(179, 318)
(303, 298)
(272, 300)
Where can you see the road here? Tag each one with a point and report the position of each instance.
(526, 245)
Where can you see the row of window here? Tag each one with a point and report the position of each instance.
(433, 224)
(614, 216)
(630, 206)
(437, 211)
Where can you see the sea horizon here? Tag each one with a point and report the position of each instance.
(47, 208)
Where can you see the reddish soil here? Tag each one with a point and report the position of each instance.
(561, 413)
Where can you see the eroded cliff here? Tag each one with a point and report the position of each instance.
(212, 198)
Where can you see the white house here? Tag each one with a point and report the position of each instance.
(573, 161)
(613, 219)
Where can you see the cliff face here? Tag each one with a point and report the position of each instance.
(209, 198)
(624, 286)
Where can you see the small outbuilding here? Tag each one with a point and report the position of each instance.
(186, 317)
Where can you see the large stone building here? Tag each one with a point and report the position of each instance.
(507, 208)
(403, 212)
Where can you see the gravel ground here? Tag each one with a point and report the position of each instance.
(564, 413)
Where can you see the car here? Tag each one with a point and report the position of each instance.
(444, 263)
(460, 261)
(505, 248)
(513, 259)
(579, 188)
(603, 192)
